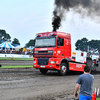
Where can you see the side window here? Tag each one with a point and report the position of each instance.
(60, 41)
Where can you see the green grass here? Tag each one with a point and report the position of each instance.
(97, 98)
(17, 66)
(9, 58)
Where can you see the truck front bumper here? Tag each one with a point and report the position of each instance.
(53, 63)
(47, 66)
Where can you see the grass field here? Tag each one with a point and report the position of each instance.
(17, 66)
(9, 58)
(17, 59)
(97, 98)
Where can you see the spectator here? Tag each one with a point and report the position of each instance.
(86, 82)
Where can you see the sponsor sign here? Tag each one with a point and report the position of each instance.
(74, 53)
(79, 65)
(58, 51)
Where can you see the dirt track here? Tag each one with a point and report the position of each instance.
(30, 84)
(12, 62)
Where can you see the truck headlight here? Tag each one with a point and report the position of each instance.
(52, 62)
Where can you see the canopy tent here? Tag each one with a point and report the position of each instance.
(18, 48)
(6, 45)
(30, 48)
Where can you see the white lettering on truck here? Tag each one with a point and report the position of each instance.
(79, 66)
(43, 49)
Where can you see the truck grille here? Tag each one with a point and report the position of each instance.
(42, 61)
(43, 53)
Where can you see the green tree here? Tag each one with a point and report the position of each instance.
(82, 44)
(4, 36)
(15, 42)
(30, 43)
(94, 44)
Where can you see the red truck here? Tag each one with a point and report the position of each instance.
(53, 52)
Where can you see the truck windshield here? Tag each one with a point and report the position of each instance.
(45, 42)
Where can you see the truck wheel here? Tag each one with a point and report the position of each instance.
(63, 69)
(43, 71)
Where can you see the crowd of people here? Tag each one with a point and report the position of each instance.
(16, 51)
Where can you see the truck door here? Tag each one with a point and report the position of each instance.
(67, 45)
(60, 47)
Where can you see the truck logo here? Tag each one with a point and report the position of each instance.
(67, 43)
(58, 51)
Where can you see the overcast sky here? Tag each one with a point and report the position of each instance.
(23, 19)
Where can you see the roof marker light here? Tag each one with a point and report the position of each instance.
(38, 35)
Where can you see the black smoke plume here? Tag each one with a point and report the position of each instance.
(56, 21)
(90, 8)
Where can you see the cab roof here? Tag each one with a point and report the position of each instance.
(58, 34)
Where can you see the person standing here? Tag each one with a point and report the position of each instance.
(86, 82)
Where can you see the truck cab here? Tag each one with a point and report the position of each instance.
(53, 52)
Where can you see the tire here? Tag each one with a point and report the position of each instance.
(63, 69)
(43, 71)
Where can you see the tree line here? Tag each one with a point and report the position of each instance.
(4, 36)
(84, 44)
